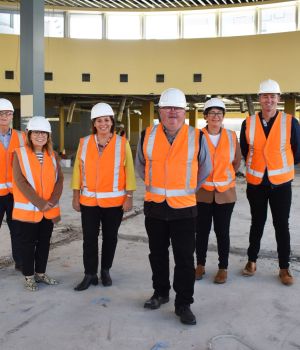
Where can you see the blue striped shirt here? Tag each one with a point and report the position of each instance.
(5, 139)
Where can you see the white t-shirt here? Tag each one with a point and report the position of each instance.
(215, 139)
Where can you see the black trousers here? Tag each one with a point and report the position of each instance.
(279, 199)
(220, 214)
(182, 235)
(6, 207)
(110, 220)
(35, 245)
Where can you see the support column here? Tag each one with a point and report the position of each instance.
(32, 58)
(147, 114)
(193, 117)
(290, 105)
(135, 132)
(250, 105)
(61, 129)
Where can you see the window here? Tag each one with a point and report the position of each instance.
(123, 78)
(9, 74)
(9, 23)
(197, 77)
(161, 26)
(86, 77)
(48, 76)
(124, 26)
(200, 25)
(278, 19)
(54, 25)
(241, 22)
(85, 26)
(160, 78)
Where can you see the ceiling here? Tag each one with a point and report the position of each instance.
(142, 4)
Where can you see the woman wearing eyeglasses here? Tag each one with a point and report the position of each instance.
(37, 187)
(217, 196)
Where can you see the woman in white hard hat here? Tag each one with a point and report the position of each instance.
(103, 183)
(217, 196)
(37, 187)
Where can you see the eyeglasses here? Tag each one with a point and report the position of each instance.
(7, 113)
(215, 114)
(37, 133)
(174, 109)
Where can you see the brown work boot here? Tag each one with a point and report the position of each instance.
(200, 271)
(221, 276)
(285, 277)
(249, 269)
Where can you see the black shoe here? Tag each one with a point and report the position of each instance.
(185, 314)
(86, 282)
(155, 301)
(105, 278)
(18, 267)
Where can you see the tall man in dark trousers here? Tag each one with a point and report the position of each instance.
(173, 160)
(270, 144)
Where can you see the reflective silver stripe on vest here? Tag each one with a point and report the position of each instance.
(150, 146)
(83, 156)
(55, 166)
(25, 206)
(116, 164)
(231, 158)
(5, 186)
(87, 193)
(20, 137)
(251, 146)
(169, 193)
(110, 194)
(231, 145)
(190, 157)
(283, 141)
(28, 172)
(100, 195)
(286, 168)
(28, 206)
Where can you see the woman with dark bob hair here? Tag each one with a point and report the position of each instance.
(103, 183)
(217, 196)
(37, 187)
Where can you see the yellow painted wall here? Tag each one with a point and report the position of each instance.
(228, 65)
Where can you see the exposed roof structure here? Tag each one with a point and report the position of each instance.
(143, 4)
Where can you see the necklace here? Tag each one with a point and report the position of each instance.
(103, 145)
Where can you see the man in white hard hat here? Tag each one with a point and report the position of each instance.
(173, 160)
(10, 139)
(270, 144)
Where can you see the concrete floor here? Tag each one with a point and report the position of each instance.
(245, 313)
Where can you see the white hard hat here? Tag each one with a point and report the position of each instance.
(6, 105)
(269, 87)
(101, 109)
(214, 102)
(39, 124)
(172, 98)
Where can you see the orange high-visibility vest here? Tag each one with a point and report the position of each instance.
(6, 157)
(103, 178)
(42, 178)
(273, 153)
(222, 176)
(171, 170)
